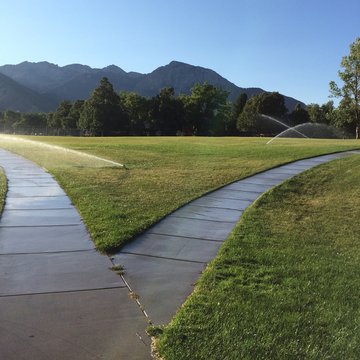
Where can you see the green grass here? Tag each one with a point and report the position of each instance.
(3, 189)
(286, 283)
(163, 173)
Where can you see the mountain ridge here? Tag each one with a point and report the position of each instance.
(53, 83)
(16, 97)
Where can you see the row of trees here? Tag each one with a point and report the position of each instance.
(206, 111)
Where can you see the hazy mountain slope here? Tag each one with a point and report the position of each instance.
(14, 96)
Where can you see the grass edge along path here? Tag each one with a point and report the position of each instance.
(163, 174)
(3, 189)
(285, 284)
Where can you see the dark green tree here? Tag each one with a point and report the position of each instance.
(61, 118)
(207, 109)
(272, 103)
(267, 103)
(10, 118)
(315, 113)
(102, 112)
(299, 115)
(167, 112)
(237, 109)
(246, 122)
(74, 115)
(31, 123)
(350, 90)
(325, 113)
(136, 108)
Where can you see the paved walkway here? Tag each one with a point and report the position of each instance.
(162, 264)
(58, 300)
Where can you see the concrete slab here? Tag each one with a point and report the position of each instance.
(26, 172)
(173, 280)
(35, 191)
(308, 162)
(226, 193)
(193, 228)
(203, 213)
(243, 186)
(273, 176)
(53, 217)
(173, 247)
(38, 202)
(26, 176)
(20, 240)
(261, 180)
(55, 272)
(31, 182)
(224, 203)
(84, 325)
(282, 171)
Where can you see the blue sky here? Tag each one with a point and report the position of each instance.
(291, 46)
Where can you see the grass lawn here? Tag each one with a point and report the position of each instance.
(286, 283)
(162, 174)
(3, 189)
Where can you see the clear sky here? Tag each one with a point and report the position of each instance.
(291, 46)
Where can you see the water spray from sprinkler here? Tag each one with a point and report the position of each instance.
(56, 147)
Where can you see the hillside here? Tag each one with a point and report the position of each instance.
(49, 83)
(20, 98)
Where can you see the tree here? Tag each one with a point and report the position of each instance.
(31, 123)
(102, 112)
(237, 109)
(207, 109)
(61, 118)
(137, 109)
(74, 115)
(299, 115)
(247, 119)
(167, 112)
(315, 113)
(350, 91)
(10, 118)
(267, 103)
(272, 103)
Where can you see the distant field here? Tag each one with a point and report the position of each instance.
(286, 283)
(162, 173)
(2, 189)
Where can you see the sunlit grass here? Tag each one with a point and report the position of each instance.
(162, 174)
(286, 284)
(3, 186)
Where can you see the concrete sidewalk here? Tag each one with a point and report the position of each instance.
(162, 264)
(58, 298)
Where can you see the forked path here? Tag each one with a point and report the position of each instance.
(58, 298)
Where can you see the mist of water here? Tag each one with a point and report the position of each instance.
(283, 124)
(311, 130)
(94, 160)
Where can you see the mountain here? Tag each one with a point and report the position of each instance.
(182, 77)
(51, 84)
(20, 98)
(43, 76)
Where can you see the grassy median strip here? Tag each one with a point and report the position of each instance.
(3, 189)
(162, 174)
(286, 284)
